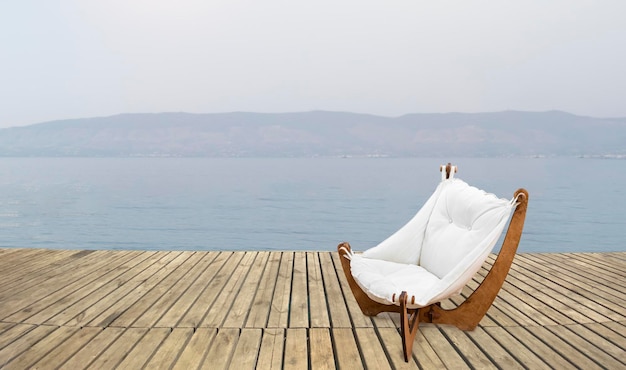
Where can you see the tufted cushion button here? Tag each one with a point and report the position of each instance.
(469, 228)
(450, 220)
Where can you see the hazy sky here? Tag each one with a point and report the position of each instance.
(82, 58)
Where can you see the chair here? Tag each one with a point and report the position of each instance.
(434, 255)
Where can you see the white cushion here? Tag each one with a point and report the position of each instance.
(383, 281)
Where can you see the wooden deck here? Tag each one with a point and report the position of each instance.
(132, 309)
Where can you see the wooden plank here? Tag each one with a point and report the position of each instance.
(500, 357)
(139, 355)
(169, 350)
(582, 272)
(76, 296)
(517, 349)
(221, 351)
(156, 291)
(13, 332)
(574, 283)
(41, 348)
(279, 313)
(574, 355)
(195, 351)
(444, 349)
(337, 308)
(247, 350)
(371, 349)
(296, 349)
(424, 354)
(321, 349)
(67, 349)
(299, 308)
(237, 315)
(179, 309)
(23, 343)
(201, 306)
(601, 340)
(172, 294)
(543, 351)
(557, 288)
(471, 353)
(590, 350)
(392, 342)
(616, 327)
(272, 346)
(260, 310)
(23, 266)
(576, 274)
(318, 308)
(104, 311)
(229, 295)
(347, 353)
(90, 351)
(118, 350)
(49, 283)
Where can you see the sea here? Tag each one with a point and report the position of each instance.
(576, 204)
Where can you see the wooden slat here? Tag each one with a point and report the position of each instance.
(88, 353)
(279, 313)
(119, 349)
(371, 349)
(272, 347)
(494, 350)
(41, 348)
(179, 309)
(321, 349)
(471, 353)
(572, 354)
(167, 353)
(144, 349)
(155, 292)
(590, 349)
(62, 352)
(244, 296)
(517, 349)
(347, 352)
(20, 344)
(205, 301)
(299, 307)
(196, 349)
(247, 350)
(172, 294)
(318, 308)
(221, 351)
(392, 342)
(78, 296)
(296, 349)
(259, 313)
(229, 295)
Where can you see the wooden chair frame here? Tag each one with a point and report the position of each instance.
(469, 313)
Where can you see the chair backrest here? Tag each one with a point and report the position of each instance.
(464, 225)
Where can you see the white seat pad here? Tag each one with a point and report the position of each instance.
(383, 281)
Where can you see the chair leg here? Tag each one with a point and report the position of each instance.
(409, 325)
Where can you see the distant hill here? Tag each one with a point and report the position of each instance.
(320, 133)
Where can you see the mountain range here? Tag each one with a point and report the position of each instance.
(321, 133)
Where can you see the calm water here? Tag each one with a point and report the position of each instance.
(286, 204)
